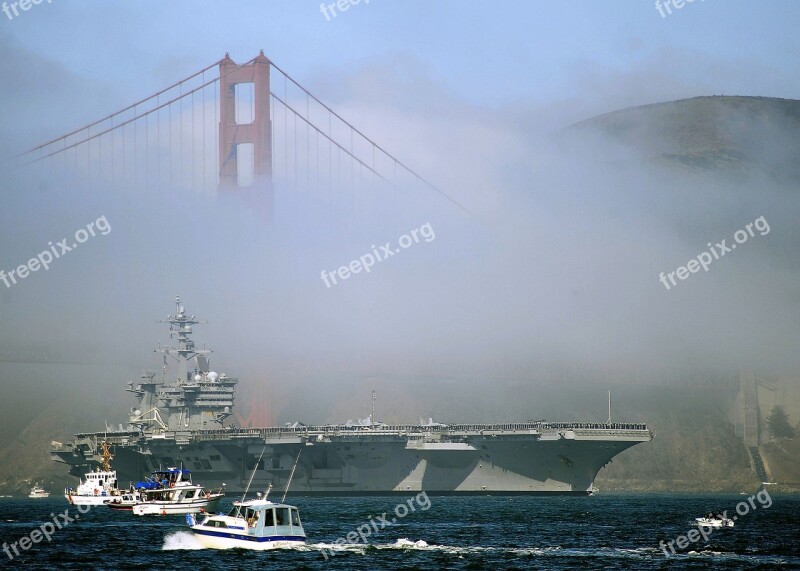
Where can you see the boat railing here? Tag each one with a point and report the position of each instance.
(408, 430)
(399, 431)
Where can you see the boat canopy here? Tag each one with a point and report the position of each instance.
(162, 478)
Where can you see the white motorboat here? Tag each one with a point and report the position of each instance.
(124, 502)
(714, 521)
(98, 487)
(38, 492)
(255, 524)
(172, 492)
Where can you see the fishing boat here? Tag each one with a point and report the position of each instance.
(712, 520)
(171, 492)
(257, 524)
(38, 492)
(124, 502)
(97, 487)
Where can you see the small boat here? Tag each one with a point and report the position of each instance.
(257, 524)
(254, 524)
(38, 492)
(98, 487)
(714, 521)
(123, 502)
(172, 492)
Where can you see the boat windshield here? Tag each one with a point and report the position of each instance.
(250, 515)
(282, 516)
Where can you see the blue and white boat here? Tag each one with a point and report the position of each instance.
(257, 524)
(172, 492)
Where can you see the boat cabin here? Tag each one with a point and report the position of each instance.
(260, 518)
(101, 479)
(178, 494)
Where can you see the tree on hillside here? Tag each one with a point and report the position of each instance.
(778, 423)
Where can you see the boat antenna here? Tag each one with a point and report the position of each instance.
(250, 481)
(106, 456)
(372, 416)
(289, 483)
(609, 407)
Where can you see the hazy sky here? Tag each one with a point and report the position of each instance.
(488, 53)
(557, 265)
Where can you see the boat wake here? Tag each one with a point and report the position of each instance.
(185, 540)
(180, 540)
(421, 545)
(641, 553)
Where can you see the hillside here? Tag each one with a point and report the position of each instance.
(718, 135)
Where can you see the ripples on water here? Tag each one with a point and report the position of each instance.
(602, 532)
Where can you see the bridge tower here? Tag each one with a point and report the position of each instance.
(232, 134)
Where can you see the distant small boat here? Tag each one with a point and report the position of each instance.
(38, 492)
(123, 502)
(714, 521)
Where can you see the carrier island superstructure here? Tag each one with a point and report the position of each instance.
(182, 421)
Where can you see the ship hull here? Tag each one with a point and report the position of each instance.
(167, 508)
(476, 460)
(76, 500)
(214, 539)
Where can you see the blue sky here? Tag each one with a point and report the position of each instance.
(488, 53)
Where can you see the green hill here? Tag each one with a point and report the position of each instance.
(718, 134)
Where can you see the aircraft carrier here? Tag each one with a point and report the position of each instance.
(180, 421)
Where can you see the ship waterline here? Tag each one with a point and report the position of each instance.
(180, 421)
